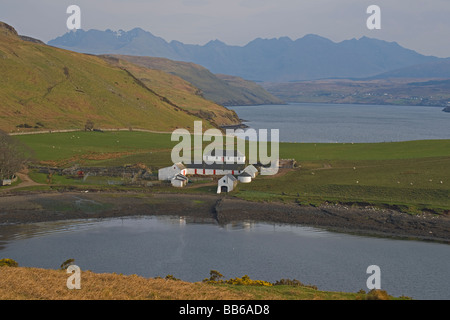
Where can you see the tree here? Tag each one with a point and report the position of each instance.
(14, 156)
(89, 126)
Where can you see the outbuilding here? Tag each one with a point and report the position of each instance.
(251, 170)
(179, 181)
(245, 177)
(227, 183)
(167, 174)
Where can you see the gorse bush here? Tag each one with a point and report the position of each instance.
(377, 295)
(8, 263)
(216, 278)
(215, 275)
(246, 281)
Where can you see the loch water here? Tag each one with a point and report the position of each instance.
(188, 249)
(348, 123)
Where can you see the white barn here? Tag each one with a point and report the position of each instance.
(251, 170)
(227, 183)
(167, 174)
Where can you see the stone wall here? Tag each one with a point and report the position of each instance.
(122, 172)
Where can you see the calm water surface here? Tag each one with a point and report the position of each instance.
(325, 123)
(158, 246)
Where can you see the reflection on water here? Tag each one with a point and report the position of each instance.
(19, 232)
(189, 248)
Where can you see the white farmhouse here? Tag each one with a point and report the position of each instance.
(214, 169)
(167, 174)
(227, 184)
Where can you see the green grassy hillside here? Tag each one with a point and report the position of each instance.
(224, 90)
(42, 87)
(181, 92)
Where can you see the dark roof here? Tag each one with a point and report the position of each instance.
(231, 177)
(245, 174)
(180, 177)
(216, 166)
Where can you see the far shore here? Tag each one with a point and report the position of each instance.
(33, 207)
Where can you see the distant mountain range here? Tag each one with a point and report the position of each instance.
(269, 60)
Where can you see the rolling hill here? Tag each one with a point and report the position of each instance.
(47, 88)
(184, 94)
(435, 69)
(394, 91)
(222, 89)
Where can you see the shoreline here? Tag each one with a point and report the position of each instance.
(35, 207)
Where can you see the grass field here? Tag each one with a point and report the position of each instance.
(101, 147)
(411, 176)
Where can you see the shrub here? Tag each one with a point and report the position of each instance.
(66, 264)
(8, 263)
(246, 281)
(171, 277)
(215, 278)
(377, 295)
(89, 126)
(293, 283)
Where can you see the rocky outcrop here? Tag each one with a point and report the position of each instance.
(6, 29)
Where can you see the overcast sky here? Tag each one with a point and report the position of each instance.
(421, 25)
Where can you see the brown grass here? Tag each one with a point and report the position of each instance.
(18, 283)
(40, 284)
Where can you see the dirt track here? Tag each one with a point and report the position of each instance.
(39, 207)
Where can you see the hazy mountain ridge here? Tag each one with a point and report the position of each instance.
(273, 60)
(435, 69)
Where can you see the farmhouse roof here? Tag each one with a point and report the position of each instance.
(216, 166)
(231, 177)
(180, 165)
(251, 168)
(245, 174)
(224, 153)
